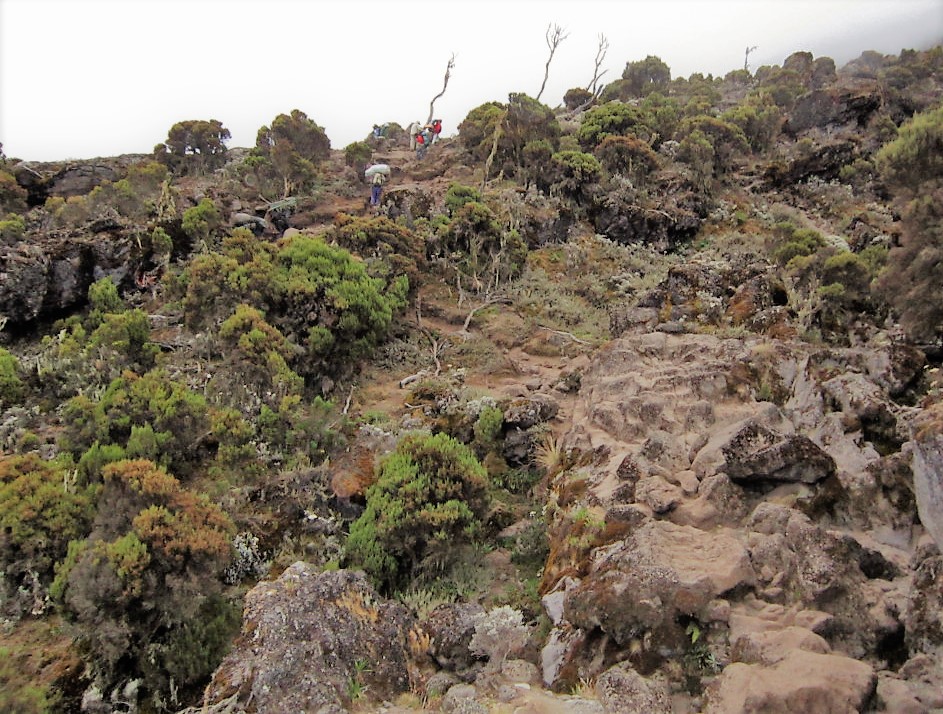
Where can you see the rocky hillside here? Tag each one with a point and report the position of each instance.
(631, 405)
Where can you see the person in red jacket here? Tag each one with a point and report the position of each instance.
(436, 129)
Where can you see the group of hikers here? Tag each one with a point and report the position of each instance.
(421, 137)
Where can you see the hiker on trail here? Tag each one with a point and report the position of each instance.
(420, 145)
(376, 188)
(413, 133)
(436, 129)
(377, 131)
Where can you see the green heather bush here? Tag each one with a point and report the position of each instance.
(302, 432)
(12, 228)
(476, 131)
(727, 140)
(178, 417)
(475, 244)
(318, 296)
(292, 148)
(574, 172)
(129, 335)
(610, 119)
(144, 588)
(520, 122)
(646, 76)
(194, 146)
(357, 154)
(758, 118)
(40, 512)
(430, 494)
(627, 156)
(200, 222)
(12, 195)
(12, 388)
(265, 351)
(389, 249)
(103, 298)
(798, 242)
(576, 97)
(458, 195)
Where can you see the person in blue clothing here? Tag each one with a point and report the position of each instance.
(376, 188)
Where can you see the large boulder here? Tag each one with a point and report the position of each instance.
(306, 636)
(801, 681)
(752, 451)
(641, 588)
(928, 473)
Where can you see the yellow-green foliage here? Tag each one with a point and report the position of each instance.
(40, 512)
(626, 155)
(201, 221)
(12, 195)
(610, 119)
(302, 431)
(316, 295)
(12, 227)
(144, 584)
(178, 417)
(477, 129)
(12, 388)
(476, 245)
(292, 148)
(389, 249)
(429, 493)
(357, 154)
(796, 242)
(916, 155)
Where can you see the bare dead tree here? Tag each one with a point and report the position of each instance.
(746, 58)
(600, 58)
(554, 37)
(445, 84)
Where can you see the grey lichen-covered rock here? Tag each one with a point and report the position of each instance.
(622, 690)
(526, 412)
(306, 636)
(928, 474)
(451, 627)
(752, 451)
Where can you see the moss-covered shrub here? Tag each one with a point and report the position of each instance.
(430, 492)
(41, 510)
(12, 388)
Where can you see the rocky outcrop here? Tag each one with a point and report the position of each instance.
(928, 474)
(712, 495)
(306, 636)
(45, 280)
(839, 105)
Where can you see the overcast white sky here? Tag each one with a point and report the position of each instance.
(88, 78)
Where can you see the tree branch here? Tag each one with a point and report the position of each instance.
(600, 58)
(553, 38)
(445, 83)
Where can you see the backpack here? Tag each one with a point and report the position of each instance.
(420, 139)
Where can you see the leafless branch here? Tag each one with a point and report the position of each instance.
(600, 58)
(746, 58)
(490, 301)
(445, 83)
(565, 334)
(554, 37)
